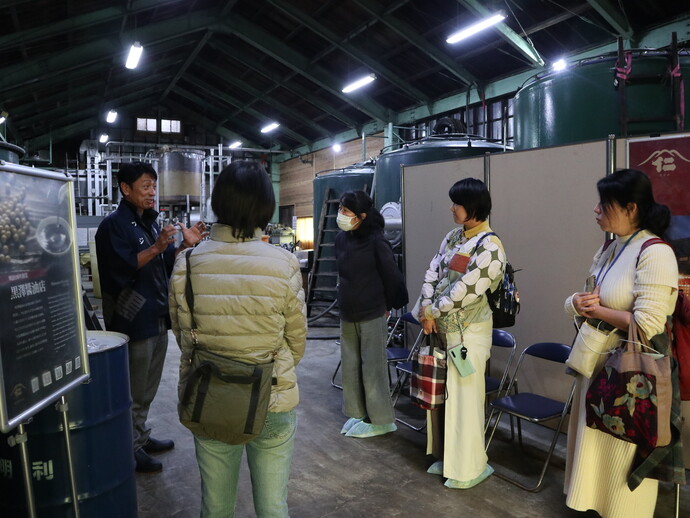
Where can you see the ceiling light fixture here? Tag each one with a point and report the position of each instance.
(270, 127)
(474, 29)
(235, 144)
(103, 139)
(134, 54)
(111, 117)
(559, 65)
(3, 116)
(337, 148)
(359, 83)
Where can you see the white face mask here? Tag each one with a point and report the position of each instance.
(345, 222)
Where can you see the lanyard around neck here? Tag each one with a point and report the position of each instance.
(600, 277)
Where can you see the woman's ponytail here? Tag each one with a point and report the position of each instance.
(657, 219)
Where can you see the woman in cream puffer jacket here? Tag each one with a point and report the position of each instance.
(248, 306)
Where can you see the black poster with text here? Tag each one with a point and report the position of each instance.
(42, 349)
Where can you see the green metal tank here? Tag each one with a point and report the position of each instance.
(10, 152)
(430, 149)
(582, 103)
(352, 178)
(332, 183)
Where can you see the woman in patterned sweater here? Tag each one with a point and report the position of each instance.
(454, 304)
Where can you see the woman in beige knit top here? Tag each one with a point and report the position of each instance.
(630, 283)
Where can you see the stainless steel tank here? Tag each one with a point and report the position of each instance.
(180, 173)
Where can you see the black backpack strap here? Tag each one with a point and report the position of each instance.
(481, 239)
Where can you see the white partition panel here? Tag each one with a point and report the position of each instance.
(543, 203)
(544, 212)
(426, 212)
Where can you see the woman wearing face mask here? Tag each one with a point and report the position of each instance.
(370, 284)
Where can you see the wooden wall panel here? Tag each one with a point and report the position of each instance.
(296, 176)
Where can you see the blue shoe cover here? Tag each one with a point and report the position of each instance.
(436, 468)
(466, 484)
(349, 424)
(362, 430)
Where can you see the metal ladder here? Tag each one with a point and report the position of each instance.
(323, 280)
(624, 80)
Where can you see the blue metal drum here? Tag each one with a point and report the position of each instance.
(100, 424)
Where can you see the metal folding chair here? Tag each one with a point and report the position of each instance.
(394, 355)
(533, 407)
(494, 386)
(397, 330)
(404, 371)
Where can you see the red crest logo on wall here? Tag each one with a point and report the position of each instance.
(667, 163)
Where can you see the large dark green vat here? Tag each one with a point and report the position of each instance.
(332, 184)
(339, 181)
(430, 149)
(10, 152)
(581, 103)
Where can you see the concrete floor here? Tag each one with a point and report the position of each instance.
(337, 477)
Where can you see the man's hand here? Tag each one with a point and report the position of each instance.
(165, 237)
(191, 236)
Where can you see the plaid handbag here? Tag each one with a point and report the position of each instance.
(630, 398)
(428, 383)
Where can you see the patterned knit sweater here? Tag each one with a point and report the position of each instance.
(455, 297)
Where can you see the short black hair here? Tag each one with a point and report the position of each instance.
(473, 195)
(360, 202)
(243, 198)
(131, 172)
(632, 186)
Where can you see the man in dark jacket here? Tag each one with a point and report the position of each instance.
(135, 259)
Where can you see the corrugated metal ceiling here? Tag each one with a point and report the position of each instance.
(228, 67)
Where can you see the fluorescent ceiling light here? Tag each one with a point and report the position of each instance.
(112, 115)
(270, 127)
(559, 65)
(235, 144)
(134, 54)
(103, 139)
(359, 83)
(3, 117)
(337, 148)
(474, 29)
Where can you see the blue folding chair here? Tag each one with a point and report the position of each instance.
(394, 355)
(396, 332)
(533, 407)
(495, 386)
(404, 371)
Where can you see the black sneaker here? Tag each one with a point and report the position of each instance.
(157, 446)
(146, 463)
